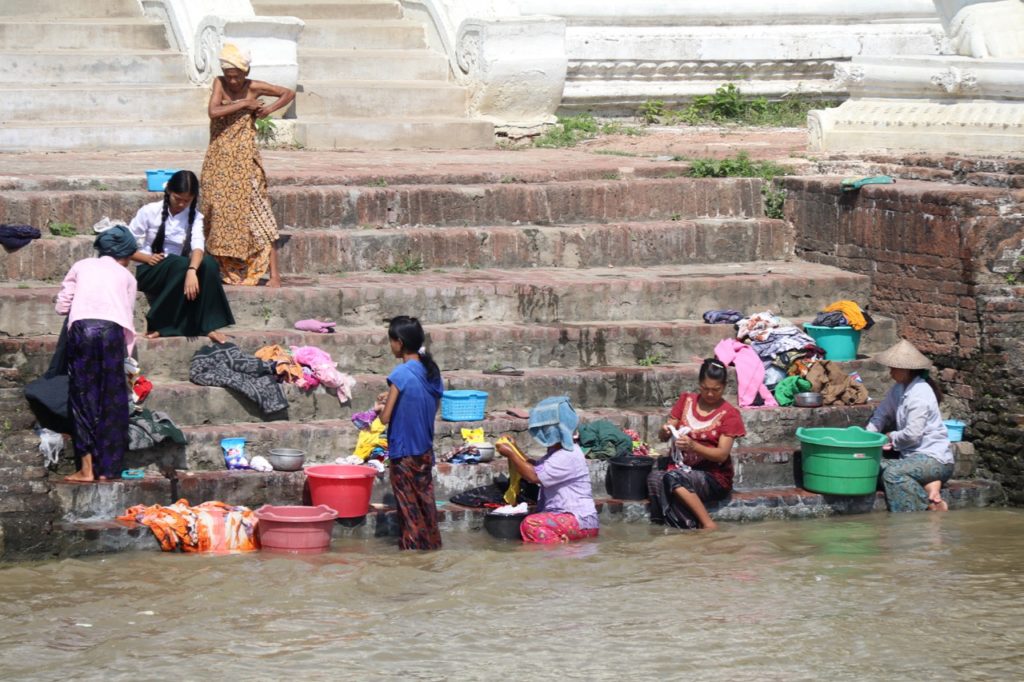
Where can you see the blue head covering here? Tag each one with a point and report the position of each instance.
(116, 242)
(553, 421)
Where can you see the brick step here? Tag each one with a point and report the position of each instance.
(707, 240)
(109, 67)
(34, 9)
(331, 251)
(610, 387)
(769, 432)
(420, 133)
(527, 295)
(129, 103)
(20, 33)
(368, 98)
(329, 9)
(460, 346)
(80, 538)
(92, 134)
(87, 173)
(366, 34)
(957, 170)
(372, 64)
(621, 198)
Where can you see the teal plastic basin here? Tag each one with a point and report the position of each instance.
(839, 343)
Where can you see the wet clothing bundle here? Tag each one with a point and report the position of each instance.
(749, 372)
(146, 429)
(13, 237)
(833, 319)
(492, 496)
(835, 386)
(209, 527)
(855, 317)
(225, 365)
(603, 440)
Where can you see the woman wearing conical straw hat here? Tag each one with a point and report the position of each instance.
(909, 416)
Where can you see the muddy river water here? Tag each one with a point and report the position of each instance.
(874, 597)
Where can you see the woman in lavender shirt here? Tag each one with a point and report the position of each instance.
(565, 507)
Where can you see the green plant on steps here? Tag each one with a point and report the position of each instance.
(774, 198)
(265, 130)
(62, 229)
(741, 166)
(404, 265)
(652, 111)
(651, 359)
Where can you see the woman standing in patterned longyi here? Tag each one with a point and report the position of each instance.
(241, 232)
(409, 408)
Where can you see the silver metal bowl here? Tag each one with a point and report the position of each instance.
(808, 399)
(286, 459)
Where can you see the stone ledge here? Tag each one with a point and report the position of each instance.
(95, 537)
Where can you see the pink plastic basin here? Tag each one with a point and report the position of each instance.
(345, 488)
(299, 530)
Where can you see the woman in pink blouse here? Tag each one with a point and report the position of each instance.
(98, 296)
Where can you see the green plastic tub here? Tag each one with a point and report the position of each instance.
(839, 343)
(840, 461)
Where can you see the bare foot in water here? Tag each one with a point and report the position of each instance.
(710, 525)
(153, 335)
(939, 505)
(217, 337)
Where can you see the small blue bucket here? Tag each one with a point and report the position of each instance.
(839, 343)
(463, 405)
(156, 179)
(955, 429)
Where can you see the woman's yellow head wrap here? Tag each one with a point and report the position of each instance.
(232, 57)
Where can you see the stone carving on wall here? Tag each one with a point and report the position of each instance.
(955, 81)
(198, 28)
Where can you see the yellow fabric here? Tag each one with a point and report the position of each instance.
(233, 57)
(369, 439)
(851, 311)
(514, 479)
(473, 435)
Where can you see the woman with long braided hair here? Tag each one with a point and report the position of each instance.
(180, 280)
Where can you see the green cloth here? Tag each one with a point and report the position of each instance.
(170, 313)
(789, 387)
(853, 184)
(603, 440)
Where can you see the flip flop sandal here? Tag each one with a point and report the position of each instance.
(133, 474)
(507, 370)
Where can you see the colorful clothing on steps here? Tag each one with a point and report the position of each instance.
(209, 527)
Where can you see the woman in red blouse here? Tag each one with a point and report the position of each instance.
(702, 428)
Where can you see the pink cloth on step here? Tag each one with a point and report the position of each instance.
(317, 326)
(749, 371)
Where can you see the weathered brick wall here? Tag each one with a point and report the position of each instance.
(944, 260)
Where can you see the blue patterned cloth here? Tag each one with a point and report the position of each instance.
(904, 480)
(553, 422)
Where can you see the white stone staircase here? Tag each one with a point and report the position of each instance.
(367, 79)
(93, 74)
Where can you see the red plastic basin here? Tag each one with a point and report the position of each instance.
(345, 488)
(299, 530)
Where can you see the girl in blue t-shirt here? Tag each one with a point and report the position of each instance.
(409, 408)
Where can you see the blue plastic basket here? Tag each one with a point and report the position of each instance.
(156, 179)
(463, 406)
(955, 429)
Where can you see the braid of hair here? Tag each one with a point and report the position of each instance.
(158, 243)
(186, 246)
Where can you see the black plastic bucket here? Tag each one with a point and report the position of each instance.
(627, 476)
(504, 526)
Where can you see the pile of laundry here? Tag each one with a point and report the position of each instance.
(372, 443)
(774, 358)
(308, 367)
(209, 527)
(259, 376)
